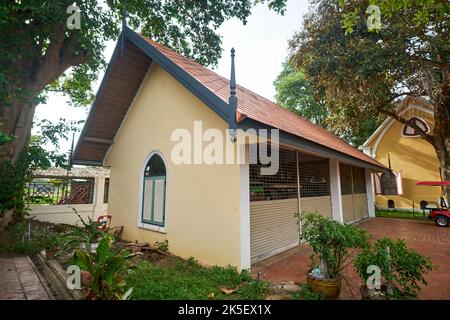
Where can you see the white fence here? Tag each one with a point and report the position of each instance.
(63, 213)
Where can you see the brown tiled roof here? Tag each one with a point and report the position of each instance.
(254, 106)
(79, 172)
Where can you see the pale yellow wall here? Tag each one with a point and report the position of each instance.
(415, 158)
(203, 215)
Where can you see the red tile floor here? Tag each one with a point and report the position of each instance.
(423, 236)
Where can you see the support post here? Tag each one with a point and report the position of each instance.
(335, 188)
(99, 189)
(370, 193)
(245, 215)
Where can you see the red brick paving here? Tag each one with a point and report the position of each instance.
(423, 236)
(19, 281)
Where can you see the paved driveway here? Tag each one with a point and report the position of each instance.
(423, 236)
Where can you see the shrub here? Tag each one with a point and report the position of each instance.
(331, 242)
(305, 293)
(402, 270)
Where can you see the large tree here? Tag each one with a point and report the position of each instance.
(297, 94)
(39, 52)
(363, 67)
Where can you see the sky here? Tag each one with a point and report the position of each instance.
(261, 47)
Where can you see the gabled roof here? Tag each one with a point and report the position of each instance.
(213, 90)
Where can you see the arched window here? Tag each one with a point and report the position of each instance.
(412, 132)
(154, 195)
(388, 184)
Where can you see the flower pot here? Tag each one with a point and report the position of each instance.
(328, 288)
(51, 253)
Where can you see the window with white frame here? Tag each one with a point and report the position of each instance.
(154, 192)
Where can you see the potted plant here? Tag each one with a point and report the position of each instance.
(331, 242)
(87, 236)
(391, 271)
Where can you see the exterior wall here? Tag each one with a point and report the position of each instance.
(273, 227)
(64, 214)
(320, 204)
(414, 158)
(202, 201)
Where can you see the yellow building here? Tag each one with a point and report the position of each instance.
(221, 213)
(411, 159)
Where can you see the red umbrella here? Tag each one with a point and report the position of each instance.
(434, 183)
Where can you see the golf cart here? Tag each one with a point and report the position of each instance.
(441, 213)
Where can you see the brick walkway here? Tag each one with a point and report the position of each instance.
(19, 281)
(423, 236)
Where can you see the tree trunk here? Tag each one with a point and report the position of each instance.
(17, 120)
(441, 133)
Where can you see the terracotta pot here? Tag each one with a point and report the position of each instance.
(86, 277)
(328, 288)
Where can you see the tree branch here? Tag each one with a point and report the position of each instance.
(423, 134)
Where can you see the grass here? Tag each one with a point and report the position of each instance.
(187, 280)
(418, 215)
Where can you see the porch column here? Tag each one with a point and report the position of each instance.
(370, 193)
(335, 189)
(245, 215)
(99, 188)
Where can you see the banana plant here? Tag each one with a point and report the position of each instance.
(108, 267)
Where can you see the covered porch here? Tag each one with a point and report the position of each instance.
(305, 182)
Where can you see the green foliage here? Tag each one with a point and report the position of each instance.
(331, 241)
(186, 280)
(42, 237)
(86, 235)
(401, 268)
(30, 29)
(305, 293)
(162, 245)
(14, 176)
(362, 74)
(108, 268)
(421, 12)
(296, 94)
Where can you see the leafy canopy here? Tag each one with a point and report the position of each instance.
(32, 28)
(297, 94)
(362, 73)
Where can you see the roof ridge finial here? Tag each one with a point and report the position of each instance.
(233, 75)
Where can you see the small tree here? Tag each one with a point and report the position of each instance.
(402, 270)
(331, 242)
